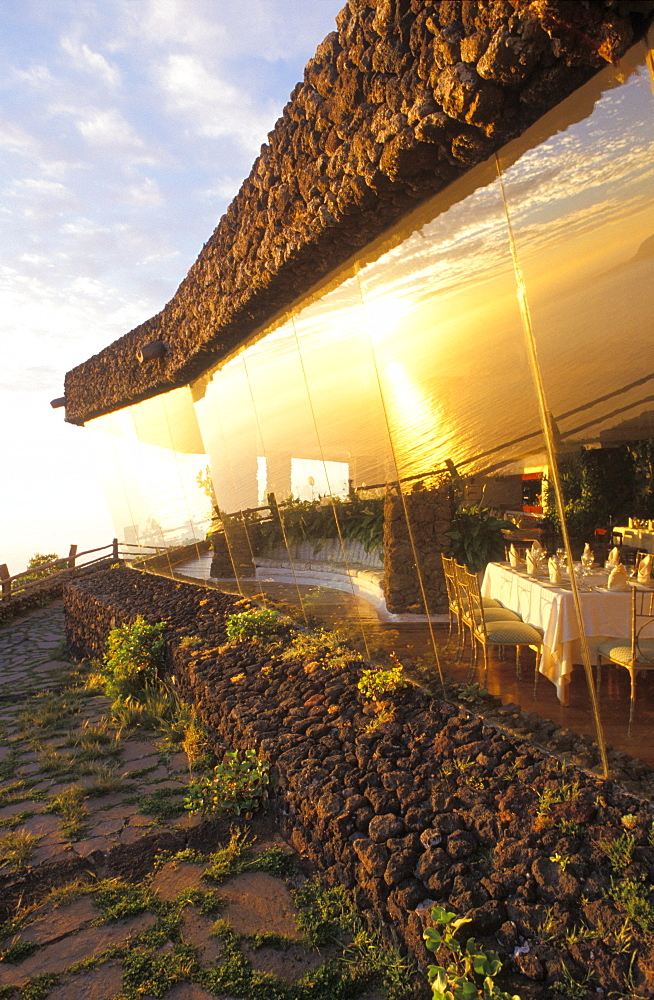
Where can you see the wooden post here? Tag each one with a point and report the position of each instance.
(114, 554)
(5, 578)
(71, 557)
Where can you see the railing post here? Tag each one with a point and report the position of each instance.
(5, 578)
(114, 554)
(71, 557)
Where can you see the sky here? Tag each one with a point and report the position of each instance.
(126, 128)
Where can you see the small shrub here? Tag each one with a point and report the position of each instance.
(238, 785)
(376, 683)
(134, 657)
(250, 626)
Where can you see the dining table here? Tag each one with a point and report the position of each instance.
(550, 608)
(637, 538)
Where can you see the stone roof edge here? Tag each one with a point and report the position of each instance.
(406, 96)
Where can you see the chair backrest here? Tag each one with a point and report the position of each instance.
(474, 607)
(642, 623)
(450, 583)
(460, 576)
(476, 604)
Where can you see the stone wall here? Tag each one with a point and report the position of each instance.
(429, 514)
(405, 96)
(436, 805)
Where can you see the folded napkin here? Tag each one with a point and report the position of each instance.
(618, 578)
(536, 547)
(614, 556)
(514, 557)
(532, 564)
(587, 549)
(645, 570)
(554, 571)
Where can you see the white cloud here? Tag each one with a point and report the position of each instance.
(109, 128)
(86, 59)
(214, 106)
(145, 195)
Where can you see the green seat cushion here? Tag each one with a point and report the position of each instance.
(620, 650)
(508, 633)
(500, 615)
(490, 602)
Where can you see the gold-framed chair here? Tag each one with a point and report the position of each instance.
(635, 653)
(498, 632)
(454, 608)
(493, 612)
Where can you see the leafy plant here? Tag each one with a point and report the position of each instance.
(470, 971)
(239, 785)
(375, 683)
(476, 536)
(352, 519)
(69, 804)
(134, 657)
(634, 898)
(252, 625)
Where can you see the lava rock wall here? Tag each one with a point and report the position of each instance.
(404, 97)
(415, 528)
(435, 806)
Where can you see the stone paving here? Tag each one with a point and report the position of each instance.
(72, 797)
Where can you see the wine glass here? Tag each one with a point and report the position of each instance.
(587, 560)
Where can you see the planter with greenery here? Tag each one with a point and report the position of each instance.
(477, 536)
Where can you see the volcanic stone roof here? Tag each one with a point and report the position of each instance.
(398, 102)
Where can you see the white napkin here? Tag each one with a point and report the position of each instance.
(587, 549)
(554, 571)
(514, 557)
(532, 564)
(614, 556)
(645, 570)
(618, 578)
(536, 547)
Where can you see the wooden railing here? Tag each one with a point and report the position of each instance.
(62, 567)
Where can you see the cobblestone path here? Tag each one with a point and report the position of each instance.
(90, 912)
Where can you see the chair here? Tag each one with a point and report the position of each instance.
(454, 601)
(506, 632)
(635, 653)
(494, 612)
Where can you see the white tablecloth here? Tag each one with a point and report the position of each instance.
(637, 538)
(538, 602)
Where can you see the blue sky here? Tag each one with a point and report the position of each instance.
(127, 127)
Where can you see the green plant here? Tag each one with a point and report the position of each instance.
(250, 626)
(569, 986)
(16, 849)
(116, 899)
(633, 896)
(476, 536)
(473, 694)
(325, 647)
(470, 971)
(39, 569)
(239, 784)
(69, 804)
(376, 683)
(619, 850)
(134, 657)
(18, 951)
(562, 860)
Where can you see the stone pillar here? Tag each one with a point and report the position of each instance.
(430, 515)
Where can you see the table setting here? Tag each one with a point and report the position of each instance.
(538, 589)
